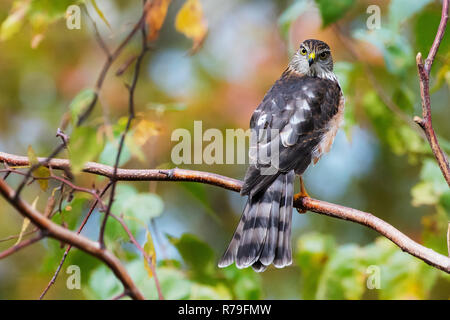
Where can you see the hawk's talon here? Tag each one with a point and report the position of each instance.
(302, 194)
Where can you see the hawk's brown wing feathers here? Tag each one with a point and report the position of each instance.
(298, 109)
(293, 125)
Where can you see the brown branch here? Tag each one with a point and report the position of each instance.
(57, 232)
(424, 70)
(401, 240)
(21, 245)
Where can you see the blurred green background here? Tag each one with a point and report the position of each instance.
(379, 163)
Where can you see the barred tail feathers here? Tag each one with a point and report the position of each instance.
(263, 234)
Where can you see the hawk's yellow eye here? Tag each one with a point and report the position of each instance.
(303, 51)
(323, 55)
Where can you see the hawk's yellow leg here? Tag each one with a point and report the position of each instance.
(302, 194)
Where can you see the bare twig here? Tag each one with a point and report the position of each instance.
(401, 240)
(424, 70)
(120, 296)
(64, 181)
(69, 247)
(111, 57)
(131, 115)
(21, 245)
(448, 239)
(146, 256)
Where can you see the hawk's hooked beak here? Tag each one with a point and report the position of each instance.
(311, 58)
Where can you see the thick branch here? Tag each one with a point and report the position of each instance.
(55, 231)
(401, 240)
(424, 70)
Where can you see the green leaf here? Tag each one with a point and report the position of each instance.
(174, 283)
(435, 229)
(333, 10)
(137, 208)
(85, 145)
(425, 27)
(197, 254)
(402, 275)
(432, 173)
(244, 283)
(123, 193)
(402, 10)
(13, 23)
(423, 194)
(432, 185)
(313, 252)
(72, 212)
(41, 171)
(397, 51)
(198, 192)
(109, 153)
(103, 284)
(81, 102)
(51, 10)
(143, 206)
(204, 292)
(43, 13)
(290, 15)
(391, 130)
(343, 276)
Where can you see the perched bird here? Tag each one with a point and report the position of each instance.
(294, 125)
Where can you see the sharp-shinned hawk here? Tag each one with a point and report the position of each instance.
(298, 118)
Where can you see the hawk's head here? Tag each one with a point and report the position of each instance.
(313, 59)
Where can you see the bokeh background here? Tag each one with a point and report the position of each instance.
(379, 163)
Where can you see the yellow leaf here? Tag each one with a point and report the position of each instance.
(40, 172)
(156, 14)
(26, 223)
(32, 156)
(149, 249)
(100, 13)
(36, 40)
(191, 23)
(13, 23)
(143, 131)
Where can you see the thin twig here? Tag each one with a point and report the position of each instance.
(146, 256)
(69, 247)
(131, 115)
(424, 70)
(111, 57)
(120, 296)
(64, 181)
(21, 245)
